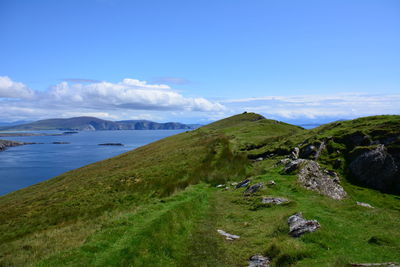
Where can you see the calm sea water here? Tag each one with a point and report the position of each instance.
(26, 165)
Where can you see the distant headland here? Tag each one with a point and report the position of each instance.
(96, 124)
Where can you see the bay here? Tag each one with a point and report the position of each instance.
(26, 165)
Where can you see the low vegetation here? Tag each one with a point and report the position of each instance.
(159, 205)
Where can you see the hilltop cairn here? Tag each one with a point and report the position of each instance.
(311, 176)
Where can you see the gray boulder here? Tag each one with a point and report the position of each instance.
(299, 226)
(377, 169)
(253, 189)
(243, 183)
(259, 261)
(312, 151)
(274, 200)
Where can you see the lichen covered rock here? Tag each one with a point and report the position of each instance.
(299, 226)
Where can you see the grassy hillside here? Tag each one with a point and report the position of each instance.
(158, 206)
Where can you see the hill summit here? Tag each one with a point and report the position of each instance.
(244, 190)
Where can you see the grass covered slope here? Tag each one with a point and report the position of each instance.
(158, 205)
(130, 180)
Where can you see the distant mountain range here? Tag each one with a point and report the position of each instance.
(95, 124)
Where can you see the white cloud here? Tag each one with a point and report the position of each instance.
(11, 89)
(129, 94)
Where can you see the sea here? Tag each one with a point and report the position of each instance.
(26, 165)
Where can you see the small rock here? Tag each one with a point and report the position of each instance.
(299, 226)
(228, 236)
(243, 183)
(259, 159)
(259, 261)
(274, 200)
(227, 188)
(111, 144)
(295, 153)
(292, 165)
(364, 205)
(234, 184)
(253, 189)
(271, 182)
(283, 161)
(220, 186)
(387, 264)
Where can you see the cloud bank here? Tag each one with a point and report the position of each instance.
(104, 98)
(315, 107)
(135, 99)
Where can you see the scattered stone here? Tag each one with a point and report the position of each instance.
(228, 236)
(227, 188)
(271, 182)
(364, 205)
(234, 184)
(377, 169)
(243, 183)
(259, 159)
(274, 200)
(253, 189)
(299, 226)
(220, 185)
(383, 264)
(259, 261)
(313, 177)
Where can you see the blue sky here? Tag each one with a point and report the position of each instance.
(197, 61)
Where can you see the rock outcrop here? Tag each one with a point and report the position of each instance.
(327, 183)
(377, 169)
(311, 176)
(6, 143)
(299, 226)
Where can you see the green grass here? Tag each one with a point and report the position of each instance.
(158, 206)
